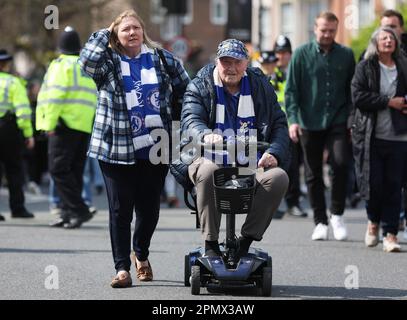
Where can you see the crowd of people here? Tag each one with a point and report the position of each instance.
(314, 106)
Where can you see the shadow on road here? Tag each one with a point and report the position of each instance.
(45, 251)
(309, 292)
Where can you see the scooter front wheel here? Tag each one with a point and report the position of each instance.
(266, 282)
(187, 271)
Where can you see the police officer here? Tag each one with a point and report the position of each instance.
(15, 127)
(283, 51)
(66, 110)
(268, 62)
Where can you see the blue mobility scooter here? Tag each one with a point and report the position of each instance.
(229, 270)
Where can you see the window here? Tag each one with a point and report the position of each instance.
(314, 9)
(218, 12)
(171, 27)
(189, 17)
(366, 12)
(157, 12)
(287, 20)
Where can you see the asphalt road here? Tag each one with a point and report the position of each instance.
(38, 262)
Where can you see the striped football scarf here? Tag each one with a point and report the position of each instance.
(245, 119)
(142, 96)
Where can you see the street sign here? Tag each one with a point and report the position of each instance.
(179, 46)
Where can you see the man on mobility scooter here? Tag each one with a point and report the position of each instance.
(224, 99)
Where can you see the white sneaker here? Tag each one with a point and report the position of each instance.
(372, 234)
(338, 227)
(390, 243)
(33, 188)
(320, 232)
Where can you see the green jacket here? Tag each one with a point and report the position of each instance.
(317, 94)
(13, 99)
(66, 94)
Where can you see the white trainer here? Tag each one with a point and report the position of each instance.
(320, 232)
(338, 227)
(372, 234)
(390, 243)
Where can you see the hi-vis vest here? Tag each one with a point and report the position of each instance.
(68, 94)
(279, 82)
(13, 99)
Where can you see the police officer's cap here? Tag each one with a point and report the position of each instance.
(4, 55)
(267, 57)
(69, 42)
(282, 44)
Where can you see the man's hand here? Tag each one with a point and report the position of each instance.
(51, 133)
(212, 138)
(29, 143)
(267, 161)
(294, 131)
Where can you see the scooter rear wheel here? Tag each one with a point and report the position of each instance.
(195, 280)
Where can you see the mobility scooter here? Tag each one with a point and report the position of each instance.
(229, 270)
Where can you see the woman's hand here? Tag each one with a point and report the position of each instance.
(398, 103)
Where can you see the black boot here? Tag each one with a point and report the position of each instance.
(2, 218)
(212, 249)
(244, 245)
(22, 214)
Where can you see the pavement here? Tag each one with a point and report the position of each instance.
(39, 262)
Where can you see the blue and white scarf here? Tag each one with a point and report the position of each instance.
(245, 119)
(142, 97)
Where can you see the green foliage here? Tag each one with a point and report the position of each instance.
(359, 43)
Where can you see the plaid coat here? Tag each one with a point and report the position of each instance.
(111, 139)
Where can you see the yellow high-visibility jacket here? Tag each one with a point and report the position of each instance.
(66, 93)
(13, 99)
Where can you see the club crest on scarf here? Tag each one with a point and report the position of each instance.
(153, 100)
(136, 121)
(142, 96)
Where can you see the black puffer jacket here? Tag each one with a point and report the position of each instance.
(199, 114)
(367, 101)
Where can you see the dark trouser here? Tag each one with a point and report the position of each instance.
(292, 196)
(38, 159)
(388, 166)
(132, 187)
(66, 159)
(11, 150)
(336, 140)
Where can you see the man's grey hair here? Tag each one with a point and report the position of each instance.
(372, 49)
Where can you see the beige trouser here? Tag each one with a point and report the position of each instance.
(271, 187)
